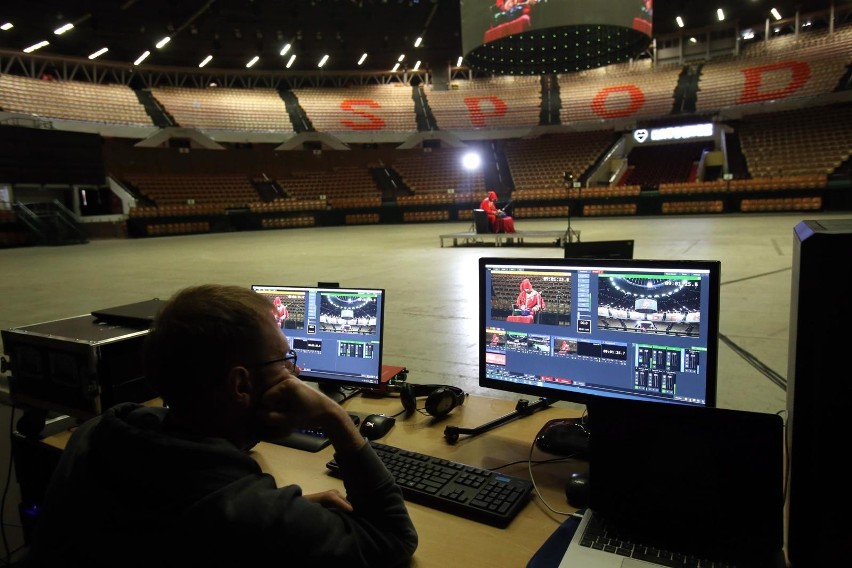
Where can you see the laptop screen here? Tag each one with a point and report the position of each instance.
(336, 332)
(689, 478)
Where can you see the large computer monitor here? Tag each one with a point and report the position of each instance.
(569, 329)
(336, 332)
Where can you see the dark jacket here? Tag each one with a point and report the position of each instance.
(128, 493)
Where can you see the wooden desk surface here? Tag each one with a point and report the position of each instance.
(445, 539)
(449, 540)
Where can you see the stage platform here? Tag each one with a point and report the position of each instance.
(519, 238)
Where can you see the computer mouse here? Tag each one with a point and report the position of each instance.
(374, 426)
(577, 490)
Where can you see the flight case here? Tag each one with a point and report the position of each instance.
(79, 366)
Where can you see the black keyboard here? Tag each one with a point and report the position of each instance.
(477, 494)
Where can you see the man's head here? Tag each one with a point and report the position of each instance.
(526, 285)
(492, 196)
(206, 351)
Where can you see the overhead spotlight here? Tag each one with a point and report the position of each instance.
(162, 43)
(395, 67)
(36, 46)
(254, 60)
(693, 40)
(720, 14)
(142, 58)
(63, 28)
(459, 61)
(291, 61)
(775, 13)
(362, 59)
(205, 61)
(322, 61)
(401, 57)
(679, 21)
(417, 66)
(418, 41)
(7, 26)
(98, 53)
(284, 49)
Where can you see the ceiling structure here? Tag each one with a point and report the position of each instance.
(233, 32)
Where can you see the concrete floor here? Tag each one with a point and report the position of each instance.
(431, 305)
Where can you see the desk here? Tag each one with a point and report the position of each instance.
(448, 540)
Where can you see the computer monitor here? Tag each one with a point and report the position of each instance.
(599, 249)
(336, 332)
(569, 329)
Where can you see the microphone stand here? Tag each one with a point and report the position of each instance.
(523, 408)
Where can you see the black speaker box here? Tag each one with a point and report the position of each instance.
(819, 395)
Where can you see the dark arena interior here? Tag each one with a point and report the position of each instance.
(168, 117)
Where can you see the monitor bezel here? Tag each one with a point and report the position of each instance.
(339, 381)
(713, 267)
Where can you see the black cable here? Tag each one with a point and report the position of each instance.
(8, 559)
(755, 362)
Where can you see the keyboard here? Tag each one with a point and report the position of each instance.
(470, 492)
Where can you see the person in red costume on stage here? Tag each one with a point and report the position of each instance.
(280, 311)
(497, 218)
(529, 300)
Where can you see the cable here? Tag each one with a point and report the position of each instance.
(8, 559)
(755, 362)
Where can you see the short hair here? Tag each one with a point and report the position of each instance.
(199, 335)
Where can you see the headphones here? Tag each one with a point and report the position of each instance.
(441, 399)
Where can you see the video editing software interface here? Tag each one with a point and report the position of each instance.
(336, 332)
(567, 329)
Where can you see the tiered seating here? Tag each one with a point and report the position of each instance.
(629, 90)
(809, 141)
(225, 108)
(541, 163)
(343, 188)
(223, 190)
(72, 100)
(669, 163)
(782, 204)
(497, 102)
(785, 67)
(436, 171)
(364, 108)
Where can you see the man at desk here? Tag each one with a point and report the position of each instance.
(177, 486)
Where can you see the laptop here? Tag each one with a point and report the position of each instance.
(138, 315)
(698, 482)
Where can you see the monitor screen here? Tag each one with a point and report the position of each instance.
(336, 332)
(568, 329)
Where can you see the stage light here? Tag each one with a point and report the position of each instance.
(471, 161)
(160, 44)
(63, 28)
(679, 21)
(285, 49)
(291, 61)
(418, 41)
(323, 61)
(205, 61)
(142, 58)
(254, 60)
(775, 13)
(417, 66)
(362, 59)
(7, 26)
(395, 67)
(459, 61)
(401, 57)
(98, 53)
(720, 14)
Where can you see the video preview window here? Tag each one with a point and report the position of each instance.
(348, 313)
(534, 297)
(653, 304)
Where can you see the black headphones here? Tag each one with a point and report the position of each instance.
(441, 399)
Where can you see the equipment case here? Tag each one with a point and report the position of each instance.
(79, 366)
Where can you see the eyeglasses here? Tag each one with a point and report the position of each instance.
(290, 356)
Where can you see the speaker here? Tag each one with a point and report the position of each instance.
(819, 395)
(440, 399)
